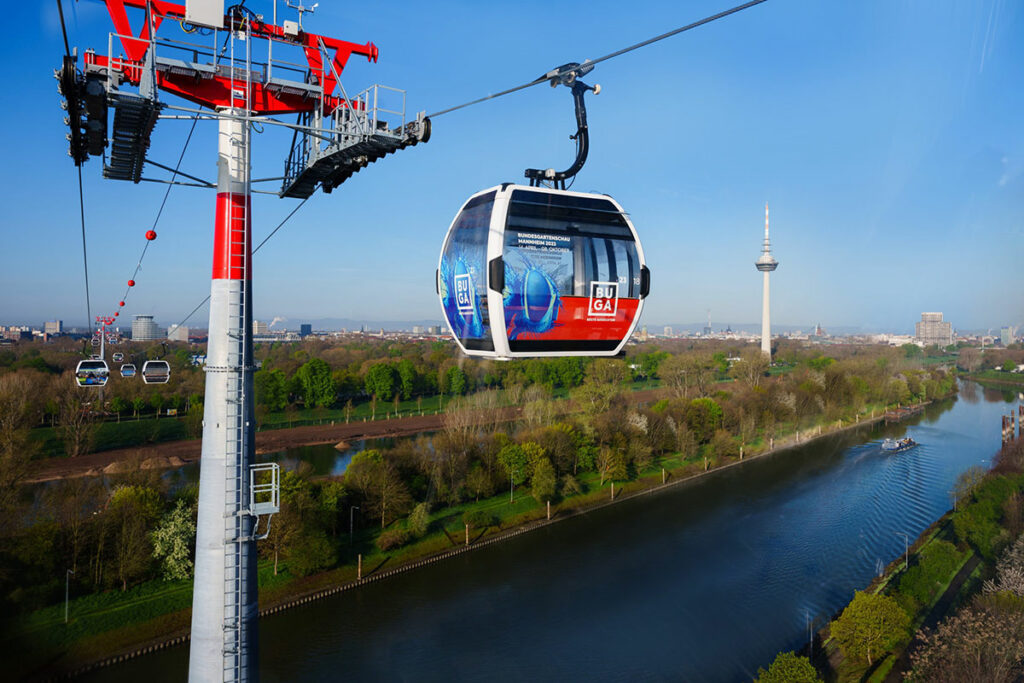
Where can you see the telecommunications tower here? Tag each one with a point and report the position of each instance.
(217, 69)
(766, 264)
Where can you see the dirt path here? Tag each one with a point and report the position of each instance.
(177, 453)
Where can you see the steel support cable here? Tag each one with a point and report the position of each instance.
(547, 77)
(81, 191)
(265, 240)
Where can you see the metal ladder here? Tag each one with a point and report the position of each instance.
(236, 518)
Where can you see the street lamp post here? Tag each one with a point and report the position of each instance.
(67, 578)
(350, 511)
(906, 548)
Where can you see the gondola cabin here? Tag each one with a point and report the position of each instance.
(531, 271)
(156, 372)
(118, 357)
(91, 373)
(128, 370)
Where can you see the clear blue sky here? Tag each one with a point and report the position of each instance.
(886, 136)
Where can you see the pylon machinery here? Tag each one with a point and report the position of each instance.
(214, 67)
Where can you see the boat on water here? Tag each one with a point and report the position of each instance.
(898, 445)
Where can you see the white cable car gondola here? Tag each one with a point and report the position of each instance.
(128, 370)
(118, 357)
(529, 271)
(536, 271)
(91, 373)
(156, 372)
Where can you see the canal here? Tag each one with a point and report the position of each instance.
(703, 582)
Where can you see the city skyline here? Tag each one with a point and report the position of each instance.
(892, 205)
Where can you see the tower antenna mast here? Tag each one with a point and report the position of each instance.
(766, 264)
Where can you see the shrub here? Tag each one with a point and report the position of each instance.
(788, 668)
(478, 519)
(393, 538)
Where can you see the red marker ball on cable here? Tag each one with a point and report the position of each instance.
(131, 283)
(151, 235)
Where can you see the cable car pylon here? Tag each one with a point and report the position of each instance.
(233, 492)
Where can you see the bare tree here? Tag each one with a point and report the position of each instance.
(75, 419)
(750, 368)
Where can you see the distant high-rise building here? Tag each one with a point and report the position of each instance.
(305, 329)
(1005, 335)
(932, 330)
(145, 329)
(417, 329)
(178, 333)
(766, 264)
(668, 331)
(260, 327)
(434, 329)
(54, 327)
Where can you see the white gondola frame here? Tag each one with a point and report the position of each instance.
(495, 248)
(154, 364)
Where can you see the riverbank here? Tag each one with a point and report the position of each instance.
(525, 516)
(942, 572)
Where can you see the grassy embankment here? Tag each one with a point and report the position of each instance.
(114, 622)
(996, 376)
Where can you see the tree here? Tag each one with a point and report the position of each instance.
(271, 389)
(129, 514)
(317, 383)
(750, 368)
(970, 359)
(173, 539)
(381, 379)
(983, 642)
(138, 403)
(870, 626)
(543, 480)
(16, 446)
(458, 381)
(611, 465)
(968, 481)
(704, 416)
(156, 400)
(406, 378)
(788, 668)
(912, 351)
(76, 423)
(513, 459)
(419, 520)
(118, 405)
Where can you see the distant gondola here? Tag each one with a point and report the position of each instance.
(128, 370)
(91, 373)
(156, 372)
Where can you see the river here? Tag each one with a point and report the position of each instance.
(703, 582)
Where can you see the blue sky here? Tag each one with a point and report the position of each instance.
(886, 137)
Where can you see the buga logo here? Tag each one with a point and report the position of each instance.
(464, 293)
(604, 299)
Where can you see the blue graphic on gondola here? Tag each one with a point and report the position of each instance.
(460, 297)
(532, 302)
